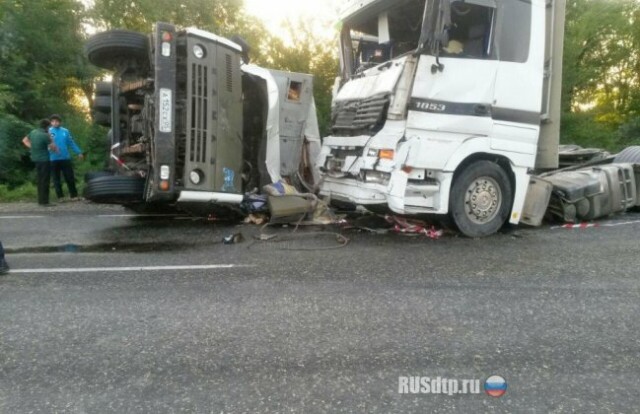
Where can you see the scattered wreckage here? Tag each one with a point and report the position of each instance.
(596, 188)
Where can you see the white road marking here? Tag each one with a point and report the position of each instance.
(596, 225)
(129, 269)
(20, 217)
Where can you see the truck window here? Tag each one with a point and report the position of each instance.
(514, 33)
(405, 25)
(470, 31)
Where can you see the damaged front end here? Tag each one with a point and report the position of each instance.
(369, 108)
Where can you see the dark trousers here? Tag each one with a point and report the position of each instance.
(43, 173)
(65, 168)
(1, 252)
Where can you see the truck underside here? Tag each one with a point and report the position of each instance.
(191, 123)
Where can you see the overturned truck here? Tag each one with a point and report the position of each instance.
(194, 124)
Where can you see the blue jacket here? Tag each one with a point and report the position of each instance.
(63, 140)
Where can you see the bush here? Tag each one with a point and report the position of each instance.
(26, 192)
(16, 169)
(629, 133)
(15, 163)
(583, 129)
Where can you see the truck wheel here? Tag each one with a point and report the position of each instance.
(629, 155)
(481, 198)
(103, 89)
(102, 104)
(116, 189)
(92, 175)
(108, 50)
(102, 119)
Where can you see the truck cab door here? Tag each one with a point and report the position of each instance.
(453, 93)
(520, 46)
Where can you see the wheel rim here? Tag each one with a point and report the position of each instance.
(483, 200)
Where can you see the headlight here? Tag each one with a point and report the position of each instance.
(198, 51)
(196, 177)
(376, 177)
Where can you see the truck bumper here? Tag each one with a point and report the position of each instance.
(209, 197)
(354, 191)
(414, 197)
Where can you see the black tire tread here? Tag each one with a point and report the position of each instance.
(105, 49)
(103, 89)
(91, 175)
(629, 155)
(115, 189)
(102, 119)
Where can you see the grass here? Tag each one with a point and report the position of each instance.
(26, 192)
(29, 193)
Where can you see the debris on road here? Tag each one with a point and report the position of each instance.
(235, 238)
(414, 227)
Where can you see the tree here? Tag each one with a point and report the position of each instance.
(41, 56)
(306, 54)
(140, 15)
(601, 70)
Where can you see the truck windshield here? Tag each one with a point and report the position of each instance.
(369, 39)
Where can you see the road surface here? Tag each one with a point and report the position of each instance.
(104, 312)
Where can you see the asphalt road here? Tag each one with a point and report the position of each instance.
(110, 313)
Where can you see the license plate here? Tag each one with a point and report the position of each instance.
(166, 103)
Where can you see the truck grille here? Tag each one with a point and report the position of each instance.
(199, 120)
(364, 116)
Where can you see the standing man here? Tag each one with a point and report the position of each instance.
(61, 160)
(39, 142)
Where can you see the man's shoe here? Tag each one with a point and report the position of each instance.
(4, 267)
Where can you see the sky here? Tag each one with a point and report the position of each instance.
(321, 15)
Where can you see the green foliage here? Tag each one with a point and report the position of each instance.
(629, 133)
(14, 161)
(582, 129)
(40, 56)
(25, 192)
(140, 15)
(306, 54)
(601, 70)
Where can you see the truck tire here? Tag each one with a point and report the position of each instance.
(629, 155)
(102, 104)
(91, 175)
(115, 189)
(481, 199)
(102, 119)
(103, 89)
(111, 49)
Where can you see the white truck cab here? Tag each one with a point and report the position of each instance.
(445, 107)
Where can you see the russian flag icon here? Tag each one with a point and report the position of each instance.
(495, 386)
